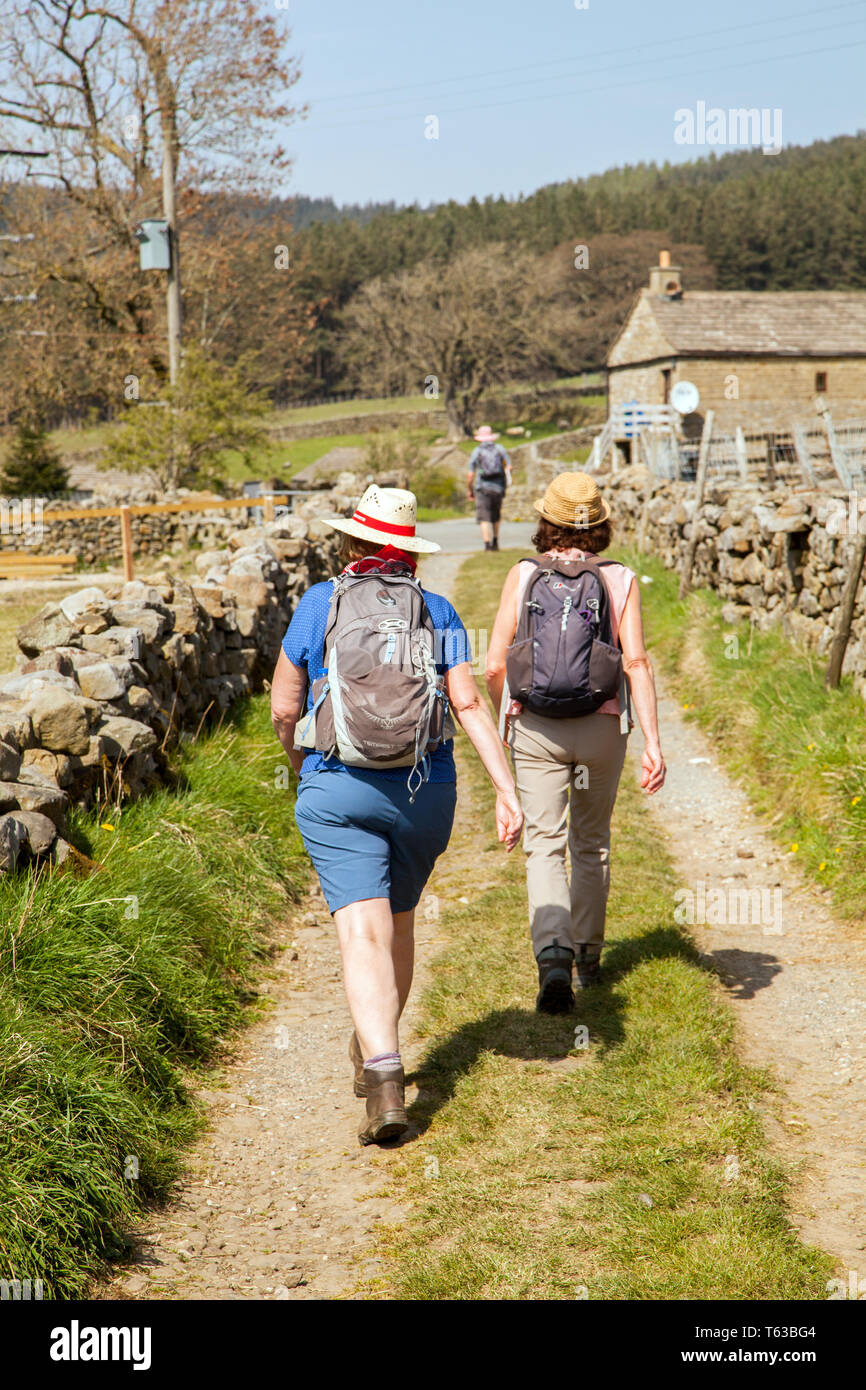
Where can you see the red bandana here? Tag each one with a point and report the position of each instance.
(388, 560)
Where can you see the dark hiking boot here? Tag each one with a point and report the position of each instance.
(487, 545)
(588, 968)
(386, 1108)
(494, 544)
(555, 995)
(357, 1060)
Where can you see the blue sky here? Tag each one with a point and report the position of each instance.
(527, 94)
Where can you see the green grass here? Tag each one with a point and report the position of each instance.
(604, 1172)
(287, 457)
(107, 1017)
(798, 749)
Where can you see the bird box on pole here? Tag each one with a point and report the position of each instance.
(155, 244)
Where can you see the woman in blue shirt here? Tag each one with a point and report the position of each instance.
(372, 841)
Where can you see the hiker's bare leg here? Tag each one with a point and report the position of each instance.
(486, 532)
(366, 934)
(403, 953)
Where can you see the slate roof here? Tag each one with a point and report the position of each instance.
(788, 323)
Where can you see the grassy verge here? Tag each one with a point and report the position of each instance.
(797, 748)
(117, 986)
(630, 1168)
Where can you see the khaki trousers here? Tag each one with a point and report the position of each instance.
(563, 765)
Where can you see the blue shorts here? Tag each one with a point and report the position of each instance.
(364, 838)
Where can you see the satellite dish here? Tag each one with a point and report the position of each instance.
(685, 397)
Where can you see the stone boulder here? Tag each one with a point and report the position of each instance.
(60, 721)
(13, 835)
(50, 628)
(41, 832)
(10, 762)
(123, 737)
(107, 680)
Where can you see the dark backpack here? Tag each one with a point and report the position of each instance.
(563, 661)
(491, 469)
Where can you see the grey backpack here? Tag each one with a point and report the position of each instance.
(491, 469)
(381, 702)
(563, 661)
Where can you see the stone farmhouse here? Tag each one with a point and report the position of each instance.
(759, 359)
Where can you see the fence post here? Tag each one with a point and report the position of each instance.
(836, 458)
(126, 541)
(742, 455)
(700, 485)
(846, 611)
(269, 509)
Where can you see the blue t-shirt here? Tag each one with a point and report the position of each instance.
(304, 644)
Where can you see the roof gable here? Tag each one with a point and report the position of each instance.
(790, 323)
(641, 337)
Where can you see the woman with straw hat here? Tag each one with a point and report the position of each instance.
(568, 768)
(372, 834)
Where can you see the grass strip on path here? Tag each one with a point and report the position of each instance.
(116, 986)
(623, 1162)
(798, 749)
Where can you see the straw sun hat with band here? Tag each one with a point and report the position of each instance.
(387, 515)
(573, 499)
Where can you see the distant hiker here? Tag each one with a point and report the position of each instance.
(381, 664)
(566, 659)
(488, 477)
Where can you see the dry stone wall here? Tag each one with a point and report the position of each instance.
(774, 557)
(108, 677)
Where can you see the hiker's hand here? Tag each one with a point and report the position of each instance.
(652, 765)
(509, 819)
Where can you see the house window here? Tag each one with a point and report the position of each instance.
(820, 381)
(666, 385)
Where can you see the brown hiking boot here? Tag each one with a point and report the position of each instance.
(386, 1110)
(357, 1060)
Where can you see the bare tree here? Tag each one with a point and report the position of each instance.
(490, 316)
(130, 101)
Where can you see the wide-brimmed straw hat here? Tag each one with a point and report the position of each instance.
(387, 515)
(573, 499)
(485, 435)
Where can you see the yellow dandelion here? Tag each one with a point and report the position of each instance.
(794, 847)
(106, 826)
(838, 849)
(822, 866)
(855, 799)
(810, 747)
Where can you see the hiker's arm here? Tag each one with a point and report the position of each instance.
(501, 638)
(288, 693)
(638, 668)
(470, 476)
(474, 719)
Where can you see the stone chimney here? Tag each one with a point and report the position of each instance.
(666, 279)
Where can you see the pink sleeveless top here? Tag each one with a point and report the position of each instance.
(617, 580)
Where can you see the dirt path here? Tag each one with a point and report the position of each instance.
(280, 1200)
(799, 993)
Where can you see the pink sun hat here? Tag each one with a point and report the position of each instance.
(485, 435)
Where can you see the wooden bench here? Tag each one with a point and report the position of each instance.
(20, 564)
